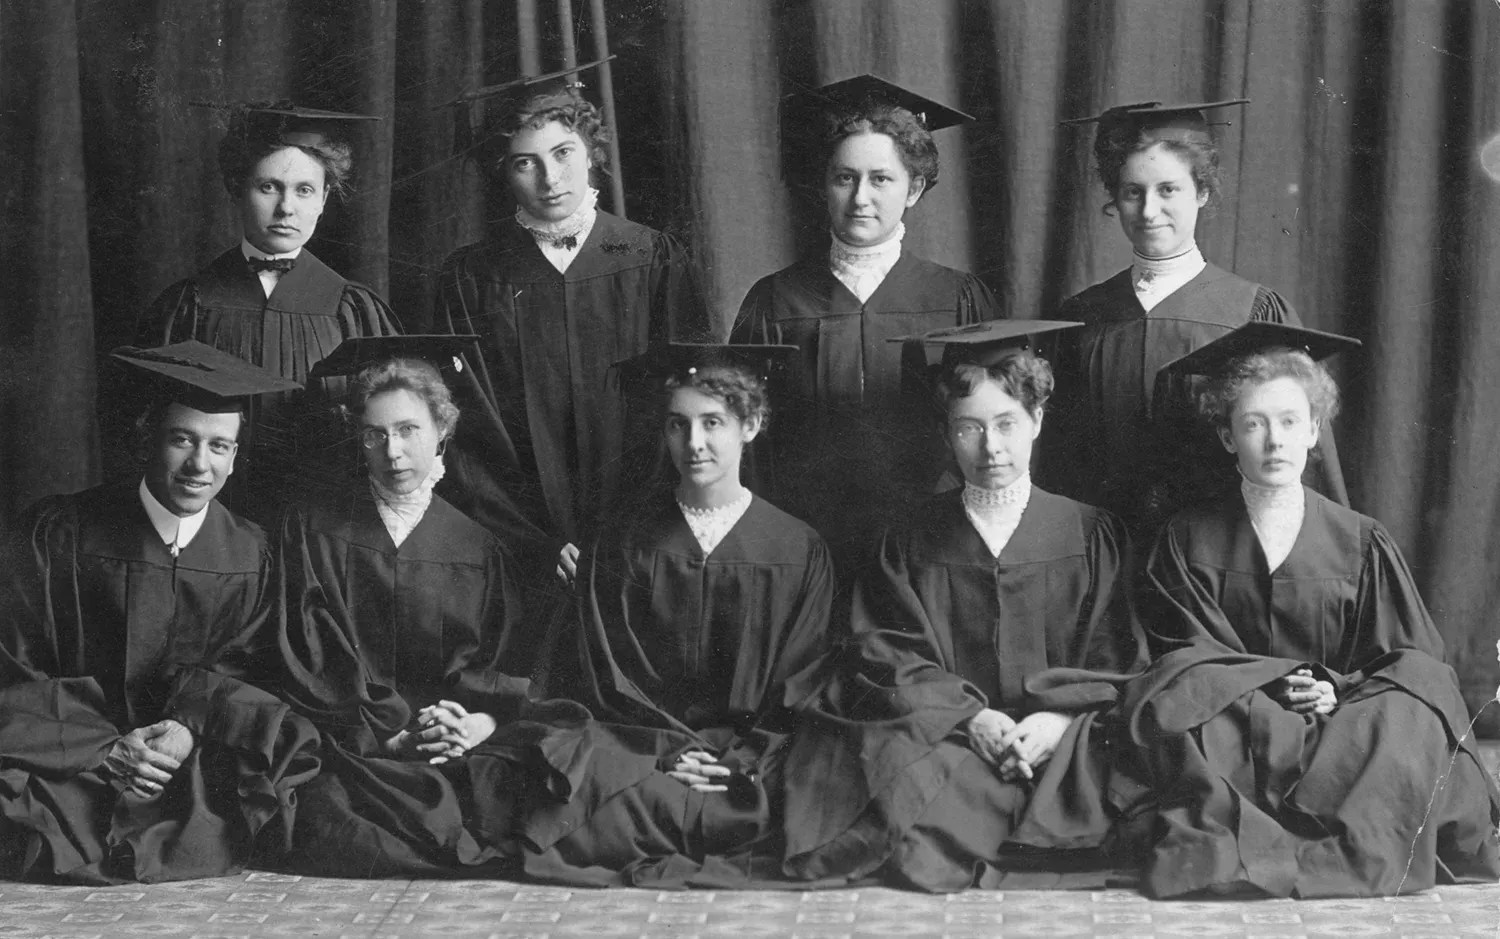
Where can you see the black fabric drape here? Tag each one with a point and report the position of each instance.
(1353, 186)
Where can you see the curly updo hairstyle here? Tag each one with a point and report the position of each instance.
(252, 137)
(1217, 401)
(1023, 375)
(741, 389)
(914, 143)
(1118, 139)
(576, 113)
(417, 376)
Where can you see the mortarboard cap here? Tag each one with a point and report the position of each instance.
(354, 355)
(645, 374)
(507, 99)
(985, 343)
(1255, 337)
(198, 375)
(861, 91)
(287, 122)
(1156, 115)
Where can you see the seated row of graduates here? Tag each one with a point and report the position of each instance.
(179, 698)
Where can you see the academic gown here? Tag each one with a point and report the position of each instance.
(311, 310)
(866, 449)
(882, 777)
(103, 631)
(549, 339)
(1385, 795)
(1118, 435)
(674, 651)
(370, 634)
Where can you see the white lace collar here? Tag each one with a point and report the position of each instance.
(1276, 513)
(574, 228)
(709, 526)
(996, 513)
(402, 511)
(863, 268)
(1155, 279)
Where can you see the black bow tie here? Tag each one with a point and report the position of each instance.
(279, 265)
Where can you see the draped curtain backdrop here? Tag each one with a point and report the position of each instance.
(1361, 184)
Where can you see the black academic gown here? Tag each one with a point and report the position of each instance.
(882, 779)
(1385, 795)
(548, 341)
(368, 635)
(312, 309)
(865, 447)
(674, 650)
(1120, 436)
(102, 631)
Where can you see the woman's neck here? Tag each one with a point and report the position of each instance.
(713, 496)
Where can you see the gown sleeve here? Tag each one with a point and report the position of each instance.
(976, 302)
(160, 324)
(49, 723)
(755, 323)
(363, 312)
(679, 310)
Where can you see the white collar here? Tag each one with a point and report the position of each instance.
(176, 531)
(1155, 279)
(251, 251)
(402, 511)
(863, 268)
(575, 226)
(1276, 513)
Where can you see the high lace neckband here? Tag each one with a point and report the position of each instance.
(866, 256)
(564, 229)
(980, 498)
(402, 511)
(1155, 269)
(1260, 497)
(727, 508)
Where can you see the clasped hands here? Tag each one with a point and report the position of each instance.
(1302, 693)
(446, 732)
(700, 771)
(147, 757)
(1017, 749)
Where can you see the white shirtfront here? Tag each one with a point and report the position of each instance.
(864, 268)
(268, 279)
(1276, 513)
(1156, 279)
(175, 530)
(560, 241)
(996, 513)
(709, 526)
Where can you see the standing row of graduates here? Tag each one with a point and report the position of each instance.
(393, 684)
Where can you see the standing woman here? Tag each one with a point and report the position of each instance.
(866, 459)
(965, 734)
(1119, 439)
(557, 293)
(269, 300)
(1308, 736)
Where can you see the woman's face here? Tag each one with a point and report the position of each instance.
(548, 170)
(400, 439)
(868, 189)
(1158, 202)
(283, 199)
(991, 434)
(1271, 432)
(705, 439)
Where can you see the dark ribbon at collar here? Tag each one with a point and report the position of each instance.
(279, 265)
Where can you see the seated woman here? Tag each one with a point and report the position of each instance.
(402, 638)
(966, 732)
(1309, 739)
(696, 608)
(268, 299)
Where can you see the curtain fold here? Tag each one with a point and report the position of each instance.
(1352, 185)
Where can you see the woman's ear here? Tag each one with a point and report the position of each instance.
(751, 428)
(1227, 439)
(1036, 420)
(918, 186)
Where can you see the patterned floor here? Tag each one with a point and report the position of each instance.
(258, 904)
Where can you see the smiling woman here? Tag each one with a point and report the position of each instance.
(269, 300)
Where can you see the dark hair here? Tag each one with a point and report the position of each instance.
(741, 390)
(1116, 143)
(419, 377)
(250, 141)
(576, 114)
(914, 144)
(1023, 375)
(148, 422)
(1217, 400)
